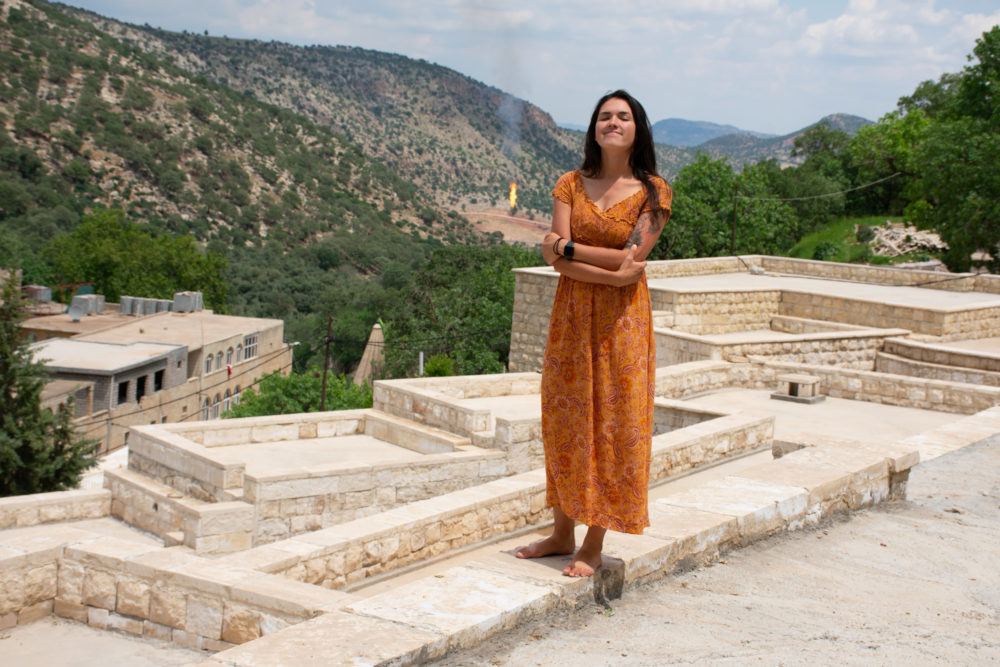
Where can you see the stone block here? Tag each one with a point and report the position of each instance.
(240, 624)
(204, 616)
(133, 626)
(99, 589)
(34, 612)
(157, 631)
(335, 637)
(40, 583)
(70, 581)
(71, 610)
(464, 604)
(700, 535)
(133, 597)
(97, 618)
(168, 606)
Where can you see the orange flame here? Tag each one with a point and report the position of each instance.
(513, 195)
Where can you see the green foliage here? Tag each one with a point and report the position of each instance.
(39, 450)
(865, 234)
(119, 258)
(439, 365)
(717, 212)
(460, 304)
(301, 392)
(826, 250)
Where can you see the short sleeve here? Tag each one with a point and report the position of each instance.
(563, 191)
(663, 193)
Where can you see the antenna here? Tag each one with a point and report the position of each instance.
(75, 313)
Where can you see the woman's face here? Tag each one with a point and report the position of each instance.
(615, 128)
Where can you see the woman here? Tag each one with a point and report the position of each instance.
(598, 375)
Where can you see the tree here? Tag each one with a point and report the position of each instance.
(120, 258)
(956, 190)
(280, 394)
(39, 449)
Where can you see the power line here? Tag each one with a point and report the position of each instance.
(828, 194)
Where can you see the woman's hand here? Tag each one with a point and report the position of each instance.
(548, 249)
(630, 270)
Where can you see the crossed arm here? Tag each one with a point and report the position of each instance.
(594, 264)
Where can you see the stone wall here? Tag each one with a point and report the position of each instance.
(890, 363)
(724, 312)
(40, 508)
(167, 594)
(946, 356)
(534, 292)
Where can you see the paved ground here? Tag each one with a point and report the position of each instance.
(911, 582)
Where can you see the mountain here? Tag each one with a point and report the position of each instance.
(92, 120)
(745, 148)
(460, 141)
(680, 132)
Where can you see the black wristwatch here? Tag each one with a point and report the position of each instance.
(568, 250)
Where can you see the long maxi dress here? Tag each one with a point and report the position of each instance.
(598, 376)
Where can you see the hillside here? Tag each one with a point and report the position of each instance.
(740, 148)
(87, 119)
(681, 132)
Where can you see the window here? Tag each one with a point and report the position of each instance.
(140, 387)
(229, 356)
(226, 401)
(215, 406)
(239, 353)
(206, 409)
(122, 392)
(250, 346)
(218, 361)
(236, 396)
(208, 364)
(158, 381)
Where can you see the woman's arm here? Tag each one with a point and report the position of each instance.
(627, 273)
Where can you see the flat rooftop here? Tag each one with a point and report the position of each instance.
(893, 295)
(75, 355)
(269, 458)
(194, 329)
(837, 417)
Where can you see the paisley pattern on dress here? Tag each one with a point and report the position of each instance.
(598, 376)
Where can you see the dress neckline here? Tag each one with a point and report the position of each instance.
(600, 210)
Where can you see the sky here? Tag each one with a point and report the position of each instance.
(771, 66)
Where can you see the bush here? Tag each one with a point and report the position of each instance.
(826, 251)
(865, 234)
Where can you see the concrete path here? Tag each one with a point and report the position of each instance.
(911, 582)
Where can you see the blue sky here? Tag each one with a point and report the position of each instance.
(765, 65)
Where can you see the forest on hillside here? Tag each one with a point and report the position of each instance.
(145, 174)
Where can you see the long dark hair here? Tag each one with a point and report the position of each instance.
(642, 159)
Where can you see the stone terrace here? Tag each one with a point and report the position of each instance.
(259, 536)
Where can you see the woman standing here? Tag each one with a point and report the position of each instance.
(598, 376)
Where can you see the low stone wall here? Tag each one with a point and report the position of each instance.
(183, 464)
(888, 389)
(206, 527)
(39, 508)
(292, 503)
(890, 363)
(722, 312)
(172, 595)
(670, 415)
(946, 356)
(534, 292)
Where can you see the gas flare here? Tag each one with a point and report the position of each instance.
(513, 195)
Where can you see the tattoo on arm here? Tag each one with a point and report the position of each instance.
(646, 224)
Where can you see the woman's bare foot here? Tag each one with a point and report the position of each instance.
(550, 546)
(584, 563)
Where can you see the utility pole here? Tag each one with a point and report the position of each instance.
(326, 364)
(732, 234)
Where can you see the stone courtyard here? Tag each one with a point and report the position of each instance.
(384, 536)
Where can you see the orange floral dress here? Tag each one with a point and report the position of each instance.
(598, 376)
